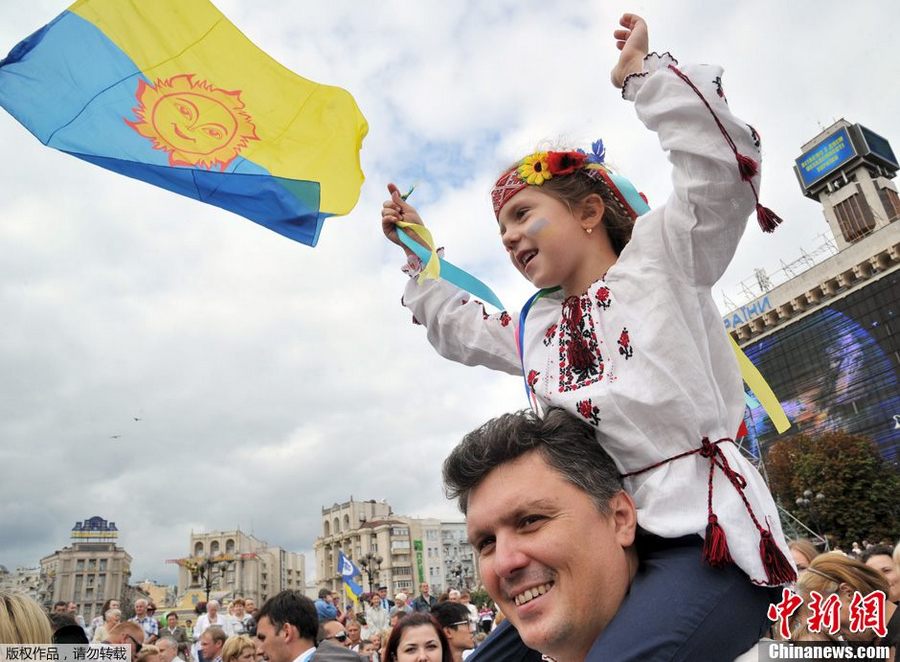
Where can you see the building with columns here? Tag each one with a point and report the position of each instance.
(393, 550)
(236, 564)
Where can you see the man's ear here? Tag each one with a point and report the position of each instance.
(590, 212)
(624, 516)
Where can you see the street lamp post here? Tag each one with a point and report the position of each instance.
(371, 563)
(457, 573)
(205, 570)
(810, 501)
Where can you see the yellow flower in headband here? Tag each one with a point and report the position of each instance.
(534, 169)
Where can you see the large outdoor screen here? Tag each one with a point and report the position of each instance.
(836, 369)
(825, 158)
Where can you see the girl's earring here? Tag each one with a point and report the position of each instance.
(589, 230)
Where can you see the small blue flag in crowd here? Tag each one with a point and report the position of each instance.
(348, 571)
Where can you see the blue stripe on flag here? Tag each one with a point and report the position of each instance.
(47, 84)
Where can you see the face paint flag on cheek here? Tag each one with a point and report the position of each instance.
(172, 93)
(535, 227)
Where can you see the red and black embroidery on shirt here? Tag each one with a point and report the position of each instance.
(532, 379)
(625, 348)
(587, 410)
(580, 362)
(754, 136)
(484, 312)
(549, 335)
(603, 299)
(505, 319)
(717, 81)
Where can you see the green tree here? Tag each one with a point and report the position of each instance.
(860, 488)
(479, 597)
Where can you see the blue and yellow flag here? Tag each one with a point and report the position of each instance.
(348, 571)
(172, 93)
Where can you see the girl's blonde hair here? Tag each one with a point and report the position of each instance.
(235, 645)
(828, 571)
(22, 621)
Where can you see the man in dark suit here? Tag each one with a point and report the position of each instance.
(286, 631)
(173, 629)
(334, 643)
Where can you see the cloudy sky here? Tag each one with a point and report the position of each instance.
(270, 378)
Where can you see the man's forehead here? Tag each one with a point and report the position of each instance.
(525, 484)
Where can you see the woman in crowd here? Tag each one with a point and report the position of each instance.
(836, 574)
(417, 638)
(803, 552)
(22, 621)
(112, 618)
(239, 648)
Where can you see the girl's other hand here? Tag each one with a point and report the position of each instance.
(394, 210)
(634, 42)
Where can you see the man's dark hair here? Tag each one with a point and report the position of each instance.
(58, 621)
(448, 613)
(293, 608)
(324, 593)
(70, 634)
(876, 550)
(566, 443)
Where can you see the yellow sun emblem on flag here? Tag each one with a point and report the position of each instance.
(196, 123)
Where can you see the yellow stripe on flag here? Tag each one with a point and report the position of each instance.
(761, 389)
(307, 131)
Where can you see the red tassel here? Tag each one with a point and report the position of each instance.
(768, 219)
(578, 354)
(747, 166)
(778, 568)
(715, 545)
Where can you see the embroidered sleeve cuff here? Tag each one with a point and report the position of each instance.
(653, 62)
(414, 266)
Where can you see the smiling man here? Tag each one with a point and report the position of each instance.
(553, 528)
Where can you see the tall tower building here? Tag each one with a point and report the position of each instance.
(826, 333)
(90, 571)
(848, 168)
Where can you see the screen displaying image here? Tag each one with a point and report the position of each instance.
(835, 369)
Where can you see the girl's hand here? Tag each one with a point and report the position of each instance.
(634, 42)
(394, 210)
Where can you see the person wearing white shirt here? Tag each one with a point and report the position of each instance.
(213, 617)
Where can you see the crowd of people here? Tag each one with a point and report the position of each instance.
(447, 628)
(241, 632)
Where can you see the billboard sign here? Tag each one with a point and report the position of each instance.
(825, 158)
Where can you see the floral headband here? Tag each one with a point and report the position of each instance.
(537, 168)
